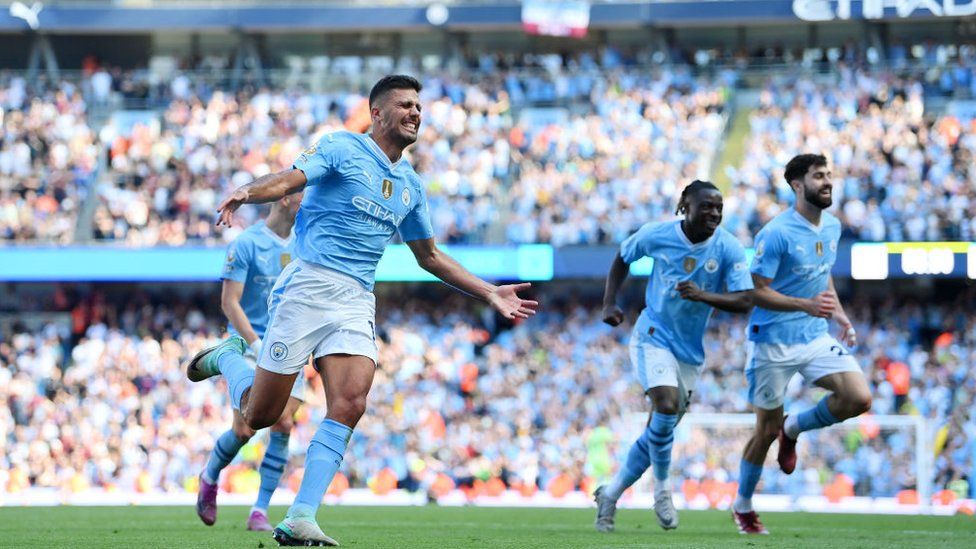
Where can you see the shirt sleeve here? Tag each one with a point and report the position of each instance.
(319, 160)
(237, 261)
(769, 252)
(638, 245)
(737, 276)
(416, 225)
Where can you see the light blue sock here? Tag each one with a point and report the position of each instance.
(660, 436)
(321, 463)
(817, 417)
(222, 454)
(638, 460)
(749, 474)
(272, 467)
(239, 375)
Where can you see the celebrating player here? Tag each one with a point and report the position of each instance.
(698, 266)
(359, 192)
(788, 330)
(254, 261)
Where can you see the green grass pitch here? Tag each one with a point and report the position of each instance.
(449, 527)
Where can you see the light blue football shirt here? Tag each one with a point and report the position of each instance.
(255, 258)
(354, 202)
(798, 257)
(716, 265)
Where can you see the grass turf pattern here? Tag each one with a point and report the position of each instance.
(470, 527)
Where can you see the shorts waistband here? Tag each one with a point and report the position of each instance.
(333, 275)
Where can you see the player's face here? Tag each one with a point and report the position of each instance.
(818, 188)
(705, 211)
(398, 116)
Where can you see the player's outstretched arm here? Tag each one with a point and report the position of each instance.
(230, 303)
(504, 299)
(733, 302)
(847, 334)
(822, 305)
(612, 314)
(267, 188)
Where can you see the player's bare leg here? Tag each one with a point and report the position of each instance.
(273, 466)
(850, 397)
(263, 404)
(347, 380)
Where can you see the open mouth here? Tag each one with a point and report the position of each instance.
(411, 126)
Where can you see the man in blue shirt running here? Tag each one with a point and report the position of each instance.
(788, 331)
(359, 192)
(698, 267)
(254, 261)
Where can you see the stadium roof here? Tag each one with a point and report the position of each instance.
(149, 16)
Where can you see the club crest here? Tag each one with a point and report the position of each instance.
(405, 197)
(711, 265)
(387, 189)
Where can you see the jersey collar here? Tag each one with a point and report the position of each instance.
(689, 243)
(283, 241)
(379, 154)
(805, 221)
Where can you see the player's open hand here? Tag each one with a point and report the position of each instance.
(689, 290)
(612, 315)
(229, 205)
(506, 301)
(822, 305)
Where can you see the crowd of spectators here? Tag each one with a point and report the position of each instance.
(100, 401)
(558, 148)
(899, 174)
(48, 155)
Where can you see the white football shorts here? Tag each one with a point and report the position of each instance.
(769, 367)
(658, 367)
(315, 311)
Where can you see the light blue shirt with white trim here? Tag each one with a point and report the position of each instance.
(355, 201)
(717, 264)
(798, 256)
(255, 259)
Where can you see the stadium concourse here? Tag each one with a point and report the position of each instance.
(465, 405)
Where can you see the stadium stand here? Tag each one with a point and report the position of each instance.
(459, 400)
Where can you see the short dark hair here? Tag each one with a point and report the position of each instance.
(800, 164)
(393, 82)
(692, 188)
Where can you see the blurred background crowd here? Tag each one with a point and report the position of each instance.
(560, 149)
(461, 397)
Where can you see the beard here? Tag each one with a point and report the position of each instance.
(813, 196)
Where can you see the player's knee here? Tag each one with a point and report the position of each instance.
(283, 425)
(259, 420)
(348, 410)
(859, 403)
(667, 406)
(243, 432)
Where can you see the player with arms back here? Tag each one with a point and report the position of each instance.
(254, 261)
(359, 192)
(698, 267)
(788, 330)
